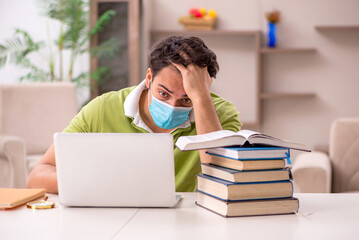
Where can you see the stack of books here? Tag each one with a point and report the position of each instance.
(247, 179)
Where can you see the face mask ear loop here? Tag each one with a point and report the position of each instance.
(148, 94)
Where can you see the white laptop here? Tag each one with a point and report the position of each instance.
(115, 169)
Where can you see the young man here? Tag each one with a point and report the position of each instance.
(174, 98)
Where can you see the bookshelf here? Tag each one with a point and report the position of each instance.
(286, 50)
(265, 95)
(260, 52)
(337, 27)
(206, 32)
(285, 95)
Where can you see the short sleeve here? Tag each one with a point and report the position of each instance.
(228, 116)
(88, 119)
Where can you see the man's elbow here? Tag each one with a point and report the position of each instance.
(43, 176)
(30, 183)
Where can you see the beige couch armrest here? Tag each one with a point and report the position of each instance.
(13, 150)
(312, 173)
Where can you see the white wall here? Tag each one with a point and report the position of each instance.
(25, 14)
(332, 72)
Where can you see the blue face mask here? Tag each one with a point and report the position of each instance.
(167, 116)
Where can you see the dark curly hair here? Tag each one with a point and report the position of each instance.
(169, 49)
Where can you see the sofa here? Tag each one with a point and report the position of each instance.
(317, 172)
(29, 116)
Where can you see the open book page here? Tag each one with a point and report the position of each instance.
(248, 133)
(225, 138)
(211, 136)
(260, 138)
(204, 140)
(272, 141)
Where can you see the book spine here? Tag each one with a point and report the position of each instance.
(240, 200)
(248, 165)
(226, 182)
(288, 157)
(238, 191)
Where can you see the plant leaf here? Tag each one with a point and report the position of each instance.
(101, 74)
(82, 80)
(104, 19)
(107, 49)
(17, 47)
(54, 9)
(35, 74)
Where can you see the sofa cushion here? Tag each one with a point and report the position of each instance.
(35, 111)
(346, 171)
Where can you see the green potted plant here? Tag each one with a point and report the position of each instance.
(73, 36)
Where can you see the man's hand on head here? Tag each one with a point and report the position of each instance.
(196, 80)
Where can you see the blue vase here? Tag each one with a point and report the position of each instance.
(272, 35)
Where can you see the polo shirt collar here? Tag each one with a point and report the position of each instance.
(131, 107)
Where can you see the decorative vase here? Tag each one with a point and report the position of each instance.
(272, 35)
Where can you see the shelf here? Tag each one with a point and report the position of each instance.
(287, 50)
(260, 53)
(208, 32)
(286, 95)
(337, 27)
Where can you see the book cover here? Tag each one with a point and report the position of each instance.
(13, 197)
(248, 207)
(228, 191)
(246, 176)
(237, 152)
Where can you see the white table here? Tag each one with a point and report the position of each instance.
(334, 216)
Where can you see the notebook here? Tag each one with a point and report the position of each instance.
(115, 169)
(13, 197)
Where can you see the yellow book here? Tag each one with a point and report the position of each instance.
(13, 197)
(248, 164)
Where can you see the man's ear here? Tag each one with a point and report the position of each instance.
(148, 77)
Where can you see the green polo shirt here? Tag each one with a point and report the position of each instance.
(111, 112)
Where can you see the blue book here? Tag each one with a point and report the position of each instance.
(250, 153)
(234, 191)
(233, 175)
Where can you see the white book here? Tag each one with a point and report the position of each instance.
(225, 138)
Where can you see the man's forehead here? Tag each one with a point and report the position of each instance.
(171, 80)
(169, 71)
(173, 68)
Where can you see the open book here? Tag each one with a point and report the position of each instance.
(225, 138)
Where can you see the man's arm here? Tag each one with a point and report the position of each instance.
(197, 83)
(206, 119)
(44, 173)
